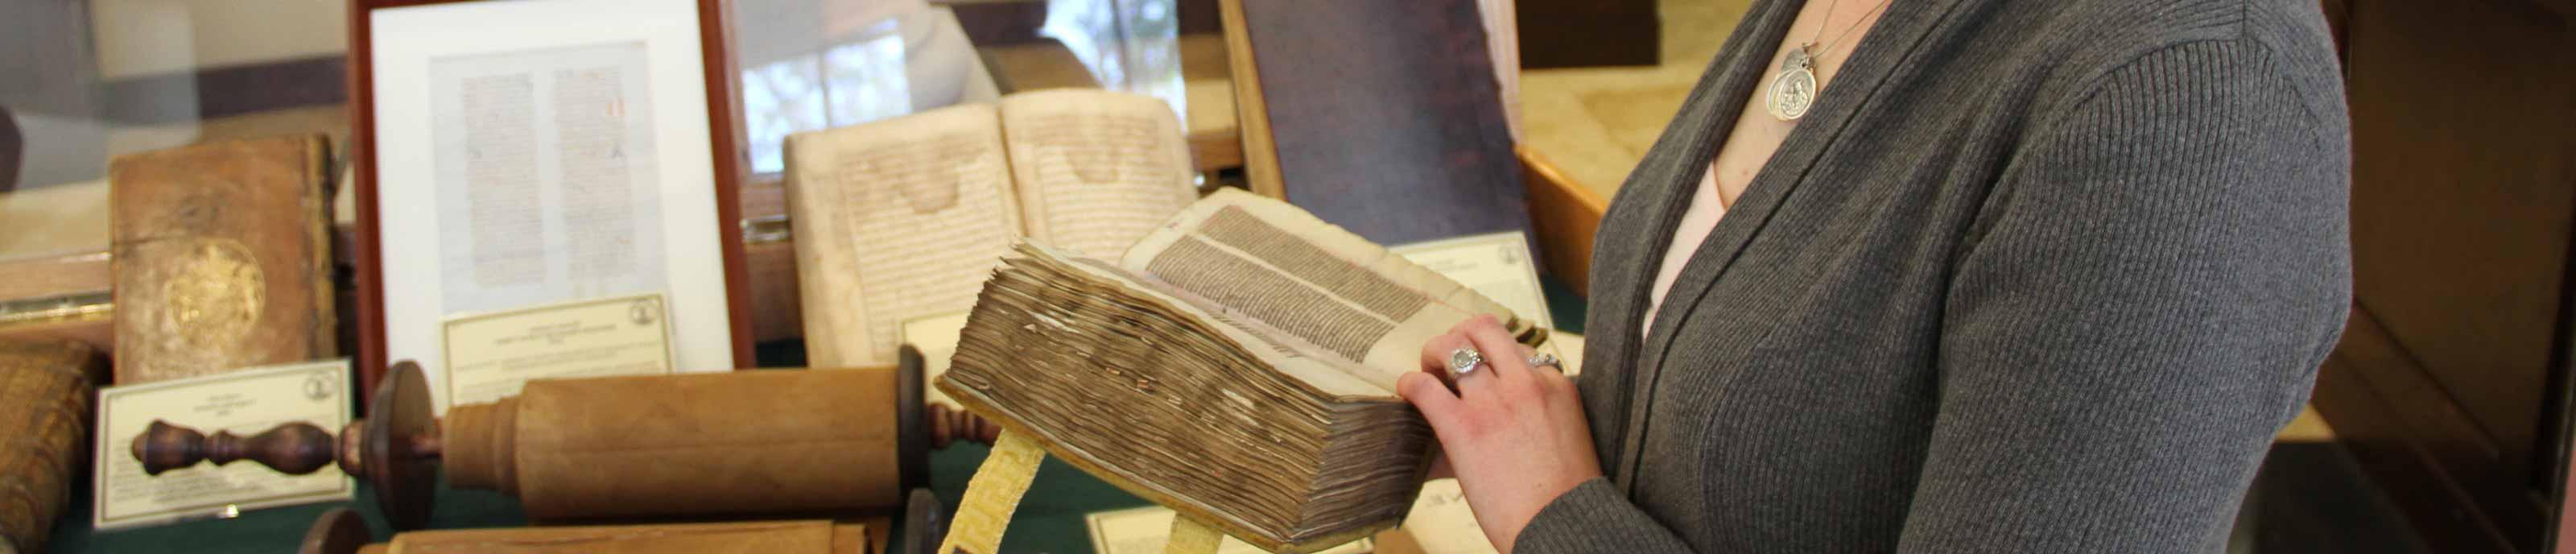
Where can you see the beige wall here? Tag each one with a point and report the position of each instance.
(147, 37)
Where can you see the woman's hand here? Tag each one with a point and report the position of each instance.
(1515, 435)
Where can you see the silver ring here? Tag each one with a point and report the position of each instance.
(1464, 361)
(1545, 359)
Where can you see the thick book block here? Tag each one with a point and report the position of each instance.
(222, 257)
(1238, 365)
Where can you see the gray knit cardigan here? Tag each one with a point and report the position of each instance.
(2032, 276)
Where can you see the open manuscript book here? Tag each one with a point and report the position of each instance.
(1238, 364)
(902, 218)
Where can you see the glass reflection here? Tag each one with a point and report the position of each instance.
(818, 64)
(812, 65)
(1129, 45)
(866, 81)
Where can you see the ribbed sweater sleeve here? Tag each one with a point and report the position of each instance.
(2130, 320)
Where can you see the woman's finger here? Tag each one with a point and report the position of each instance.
(1435, 353)
(1479, 319)
(1529, 353)
(1508, 359)
(1435, 361)
(1475, 382)
(1433, 399)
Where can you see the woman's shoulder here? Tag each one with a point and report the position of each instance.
(2092, 39)
(2153, 23)
(2083, 49)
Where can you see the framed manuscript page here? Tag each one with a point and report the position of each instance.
(516, 155)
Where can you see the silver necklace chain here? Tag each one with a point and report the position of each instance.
(1847, 31)
(1794, 88)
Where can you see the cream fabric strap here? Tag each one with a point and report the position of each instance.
(1191, 537)
(995, 492)
(992, 494)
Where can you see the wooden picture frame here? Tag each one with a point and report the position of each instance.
(509, 19)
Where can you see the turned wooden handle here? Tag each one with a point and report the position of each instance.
(294, 448)
(949, 425)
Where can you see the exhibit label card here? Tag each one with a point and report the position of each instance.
(1497, 265)
(1145, 530)
(936, 337)
(1441, 523)
(244, 402)
(490, 355)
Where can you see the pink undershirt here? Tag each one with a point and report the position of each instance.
(1697, 221)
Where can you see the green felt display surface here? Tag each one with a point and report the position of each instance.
(1049, 519)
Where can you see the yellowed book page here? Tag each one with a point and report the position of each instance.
(895, 220)
(1096, 170)
(1284, 350)
(1276, 264)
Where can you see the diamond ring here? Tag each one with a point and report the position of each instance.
(1546, 359)
(1464, 361)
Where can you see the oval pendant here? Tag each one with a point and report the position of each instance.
(1792, 93)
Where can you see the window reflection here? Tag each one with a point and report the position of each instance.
(818, 64)
(1129, 45)
(778, 99)
(866, 81)
(846, 84)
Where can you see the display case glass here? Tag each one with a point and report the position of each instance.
(85, 81)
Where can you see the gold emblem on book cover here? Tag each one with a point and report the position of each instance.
(212, 295)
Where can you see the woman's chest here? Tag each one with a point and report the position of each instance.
(1807, 343)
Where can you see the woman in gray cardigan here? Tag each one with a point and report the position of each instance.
(1933, 276)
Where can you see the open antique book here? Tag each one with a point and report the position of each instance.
(1238, 364)
(902, 218)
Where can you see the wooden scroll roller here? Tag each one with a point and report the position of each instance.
(44, 434)
(608, 447)
(340, 531)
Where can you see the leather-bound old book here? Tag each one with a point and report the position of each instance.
(1382, 116)
(45, 392)
(221, 257)
(1238, 364)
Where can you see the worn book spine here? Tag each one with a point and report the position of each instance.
(222, 257)
(45, 389)
(1385, 118)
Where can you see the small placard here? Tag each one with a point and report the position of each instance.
(490, 355)
(1144, 531)
(1441, 523)
(936, 337)
(244, 402)
(1496, 265)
